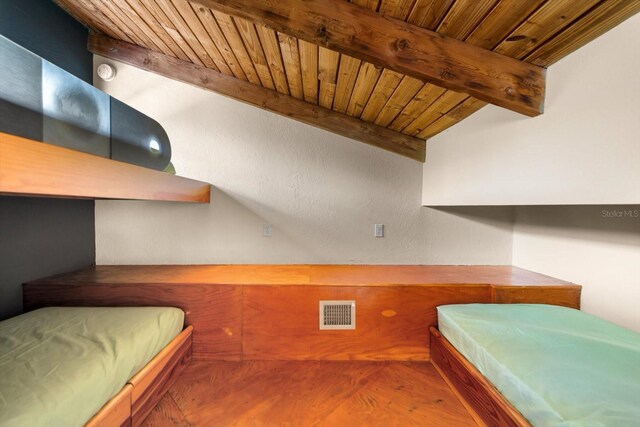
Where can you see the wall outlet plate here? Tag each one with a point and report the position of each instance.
(378, 230)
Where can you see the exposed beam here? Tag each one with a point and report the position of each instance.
(401, 47)
(259, 96)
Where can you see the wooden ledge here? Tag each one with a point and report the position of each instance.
(32, 168)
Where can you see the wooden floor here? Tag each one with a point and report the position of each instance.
(304, 393)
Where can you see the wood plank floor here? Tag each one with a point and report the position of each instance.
(309, 393)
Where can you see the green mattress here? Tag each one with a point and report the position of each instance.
(60, 365)
(557, 366)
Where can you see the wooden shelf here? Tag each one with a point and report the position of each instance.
(32, 168)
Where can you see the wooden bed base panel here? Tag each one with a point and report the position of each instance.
(144, 390)
(227, 304)
(116, 412)
(485, 403)
(153, 381)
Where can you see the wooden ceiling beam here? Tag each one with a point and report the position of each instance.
(401, 47)
(258, 96)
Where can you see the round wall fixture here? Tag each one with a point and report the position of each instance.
(106, 72)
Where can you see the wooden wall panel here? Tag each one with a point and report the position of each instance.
(391, 322)
(213, 310)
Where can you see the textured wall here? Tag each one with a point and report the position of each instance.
(321, 193)
(583, 150)
(595, 246)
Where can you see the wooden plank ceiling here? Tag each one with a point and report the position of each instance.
(379, 106)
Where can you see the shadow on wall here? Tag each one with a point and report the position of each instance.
(617, 224)
(230, 230)
(41, 237)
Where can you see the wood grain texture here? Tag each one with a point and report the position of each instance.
(32, 168)
(311, 393)
(453, 116)
(539, 32)
(213, 310)
(476, 391)
(550, 18)
(271, 311)
(250, 38)
(166, 413)
(259, 96)
(291, 331)
(600, 19)
(328, 61)
(154, 379)
(291, 58)
(347, 74)
(407, 394)
(365, 83)
(401, 47)
(217, 37)
(556, 295)
(116, 412)
(271, 48)
(230, 31)
(308, 274)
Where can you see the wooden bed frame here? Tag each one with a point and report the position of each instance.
(145, 389)
(227, 304)
(483, 401)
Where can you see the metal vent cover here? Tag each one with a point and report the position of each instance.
(337, 315)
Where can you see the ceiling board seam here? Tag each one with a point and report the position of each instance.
(140, 22)
(353, 86)
(205, 26)
(146, 4)
(333, 101)
(565, 28)
(177, 51)
(252, 71)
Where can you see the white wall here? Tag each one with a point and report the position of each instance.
(595, 246)
(585, 148)
(321, 193)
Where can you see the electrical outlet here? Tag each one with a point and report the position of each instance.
(266, 230)
(378, 230)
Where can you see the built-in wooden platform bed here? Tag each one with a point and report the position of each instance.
(144, 390)
(531, 364)
(267, 312)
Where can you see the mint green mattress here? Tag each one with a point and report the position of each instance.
(557, 366)
(60, 365)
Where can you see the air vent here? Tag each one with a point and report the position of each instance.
(337, 314)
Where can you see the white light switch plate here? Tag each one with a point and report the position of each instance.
(266, 230)
(379, 230)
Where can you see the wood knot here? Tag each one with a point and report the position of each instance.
(146, 61)
(446, 74)
(402, 44)
(204, 80)
(321, 32)
(509, 91)
(516, 38)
